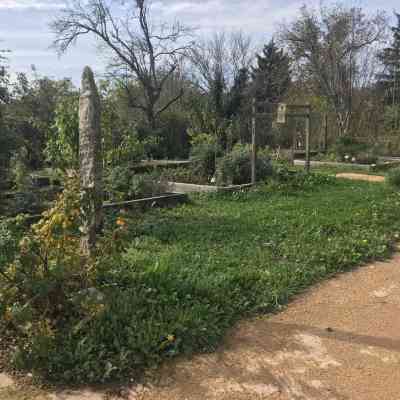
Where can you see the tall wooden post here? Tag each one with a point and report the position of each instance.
(253, 143)
(91, 167)
(307, 132)
(325, 133)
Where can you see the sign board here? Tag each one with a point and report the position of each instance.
(281, 119)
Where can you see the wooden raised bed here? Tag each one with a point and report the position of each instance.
(150, 165)
(179, 187)
(162, 200)
(332, 164)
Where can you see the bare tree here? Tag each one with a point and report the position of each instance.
(329, 48)
(141, 49)
(221, 57)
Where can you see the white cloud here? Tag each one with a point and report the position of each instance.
(24, 26)
(29, 4)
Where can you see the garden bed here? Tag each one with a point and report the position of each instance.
(333, 164)
(151, 165)
(166, 200)
(179, 187)
(162, 200)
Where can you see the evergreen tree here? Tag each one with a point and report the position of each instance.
(271, 76)
(3, 77)
(389, 80)
(237, 94)
(217, 90)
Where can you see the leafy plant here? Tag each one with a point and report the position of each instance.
(235, 167)
(346, 147)
(130, 151)
(10, 233)
(121, 183)
(205, 157)
(19, 171)
(62, 148)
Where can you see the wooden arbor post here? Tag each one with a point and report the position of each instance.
(253, 143)
(297, 110)
(307, 131)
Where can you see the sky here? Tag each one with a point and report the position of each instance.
(24, 27)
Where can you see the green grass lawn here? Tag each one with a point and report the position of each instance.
(195, 270)
(188, 274)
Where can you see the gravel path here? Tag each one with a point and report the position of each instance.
(361, 177)
(339, 341)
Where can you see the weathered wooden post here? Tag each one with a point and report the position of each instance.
(90, 159)
(326, 133)
(307, 131)
(253, 143)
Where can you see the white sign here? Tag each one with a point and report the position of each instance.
(281, 119)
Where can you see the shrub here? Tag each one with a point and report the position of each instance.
(205, 156)
(131, 150)
(186, 174)
(235, 167)
(51, 297)
(348, 146)
(393, 178)
(289, 179)
(10, 234)
(366, 158)
(62, 147)
(174, 126)
(38, 285)
(19, 172)
(121, 183)
(148, 184)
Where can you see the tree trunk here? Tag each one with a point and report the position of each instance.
(343, 122)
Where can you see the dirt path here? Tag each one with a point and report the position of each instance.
(339, 341)
(361, 177)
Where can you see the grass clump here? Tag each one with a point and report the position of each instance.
(180, 278)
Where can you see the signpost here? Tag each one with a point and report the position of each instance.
(281, 113)
(297, 110)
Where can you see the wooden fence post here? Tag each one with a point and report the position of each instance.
(307, 129)
(253, 143)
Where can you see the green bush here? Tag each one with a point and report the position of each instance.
(10, 234)
(367, 157)
(235, 167)
(121, 183)
(174, 131)
(148, 184)
(393, 178)
(129, 152)
(348, 146)
(205, 157)
(19, 172)
(187, 174)
(289, 179)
